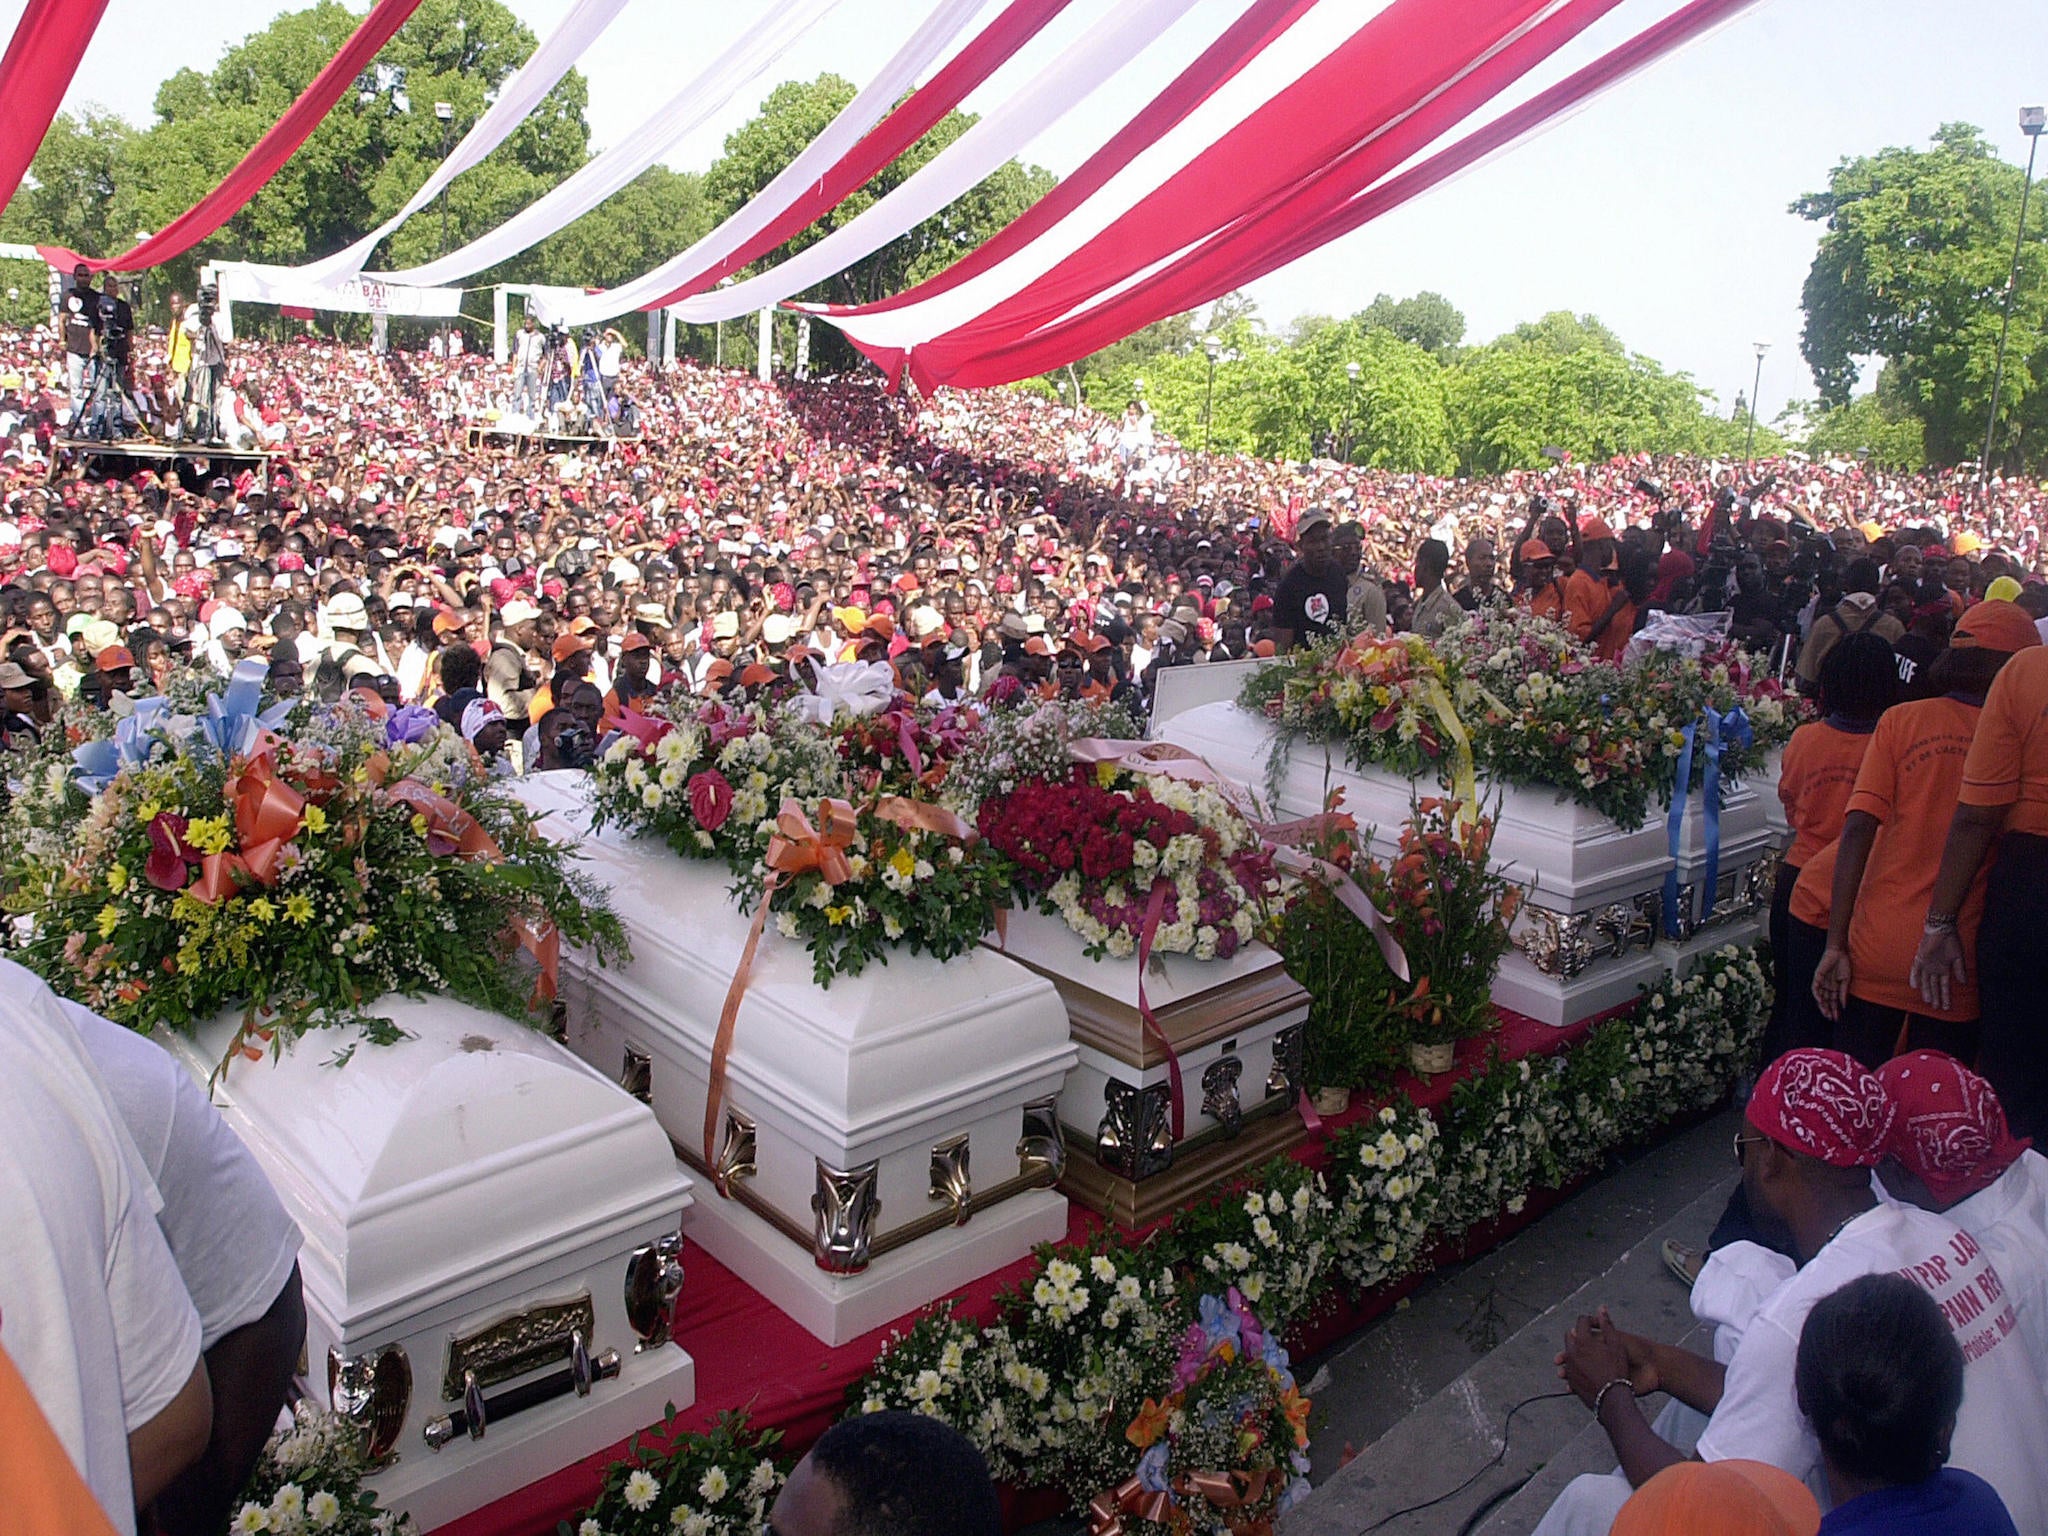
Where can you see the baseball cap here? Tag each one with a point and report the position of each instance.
(1995, 625)
(112, 657)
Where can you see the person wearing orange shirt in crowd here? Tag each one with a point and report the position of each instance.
(571, 657)
(1597, 607)
(631, 689)
(1890, 851)
(1859, 682)
(1543, 589)
(2004, 799)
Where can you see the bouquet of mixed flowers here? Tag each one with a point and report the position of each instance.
(904, 749)
(1452, 913)
(1018, 746)
(310, 1479)
(854, 882)
(213, 862)
(1389, 698)
(718, 1483)
(708, 778)
(1111, 852)
(1226, 1449)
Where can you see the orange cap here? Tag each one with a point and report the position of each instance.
(1741, 1498)
(113, 656)
(569, 645)
(1536, 549)
(1038, 645)
(1264, 648)
(1995, 625)
(756, 674)
(448, 621)
(1593, 528)
(718, 671)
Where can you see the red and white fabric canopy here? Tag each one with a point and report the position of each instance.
(1156, 224)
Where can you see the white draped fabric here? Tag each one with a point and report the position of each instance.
(1115, 40)
(866, 109)
(760, 46)
(517, 99)
(245, 282)
(1282, 64)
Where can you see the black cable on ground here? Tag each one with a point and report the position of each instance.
(1498, 1457)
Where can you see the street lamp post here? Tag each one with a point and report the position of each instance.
(1351, 372)
(1214, 349)
(1749, 442)
(446, 112)
(2032, 120)
(718, 335)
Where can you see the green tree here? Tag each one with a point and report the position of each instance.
(1428, 320)
(1396, 416)
(97, 182)
(1881, 422)
(69, 189)
(1912, 268)
(795, 113)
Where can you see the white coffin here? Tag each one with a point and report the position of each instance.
(1590, 932)
(1235, 1027)
(474, 1173)
(857, 1097)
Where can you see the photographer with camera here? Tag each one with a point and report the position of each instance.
(207, 335)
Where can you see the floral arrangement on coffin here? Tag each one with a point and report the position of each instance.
(215, 863)
(310, 1479)
(708, 778)
(904, 749)
(1226, 1449)
(1390, 699)
(1452, 914)
(1017, 746)
(1114, 854)
(1541, 710)
(718, 1483)
(855, 882)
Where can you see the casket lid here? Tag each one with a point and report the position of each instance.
(873, 1055)
(472, 1148)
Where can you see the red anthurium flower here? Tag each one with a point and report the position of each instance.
(170, 856)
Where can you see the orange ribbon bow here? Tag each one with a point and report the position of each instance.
(450, 829)
(798, 849)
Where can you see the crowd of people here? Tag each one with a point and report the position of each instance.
(378, 524)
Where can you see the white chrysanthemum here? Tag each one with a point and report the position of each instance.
(713, 1485)
(641, 1491)
(250, 1519)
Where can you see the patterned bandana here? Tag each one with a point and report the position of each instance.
(1823, 1104)
(1951, 1132)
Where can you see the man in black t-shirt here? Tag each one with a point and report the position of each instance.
(81, 328)
(1309, 602)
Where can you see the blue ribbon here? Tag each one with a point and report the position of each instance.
(96, 764)
(1722, 732)
(1674, 830)
(231, 722)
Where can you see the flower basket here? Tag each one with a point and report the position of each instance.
(1432, 1058)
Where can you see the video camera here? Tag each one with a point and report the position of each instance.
(209, 302)
(575, 746)
(1727, 541)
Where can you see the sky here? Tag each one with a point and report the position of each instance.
(1662, 207)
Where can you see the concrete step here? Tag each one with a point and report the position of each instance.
(1426, 1394)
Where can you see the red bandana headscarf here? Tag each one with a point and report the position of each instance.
(1826, 1105)
(1950, 1132)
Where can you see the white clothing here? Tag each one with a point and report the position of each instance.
(611, 356)
(2010, 1222)
(528, 347)
(228, 1232)
(1733, 1283)
(412, 671)
(1588, 1505)
(2002, 1433)
(91, 1305)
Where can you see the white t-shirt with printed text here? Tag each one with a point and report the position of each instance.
(2002, 1432)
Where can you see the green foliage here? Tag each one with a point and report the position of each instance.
(68, 194)
(1878, 421)
(1912, 268)
(1355, 1038)
(795, 113)
(1428, 320)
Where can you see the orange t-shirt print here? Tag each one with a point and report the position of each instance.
(1909, 781)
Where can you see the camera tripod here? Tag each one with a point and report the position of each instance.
(109, 412)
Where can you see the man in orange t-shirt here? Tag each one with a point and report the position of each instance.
(2004, 798)
(1596, 605)
(1890, 850)
(1544, 594)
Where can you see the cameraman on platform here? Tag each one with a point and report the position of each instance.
(117, 331)
(206, 329)
(81, 330)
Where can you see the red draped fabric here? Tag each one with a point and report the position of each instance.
(1297, 218)
(1239, 44)
(267, 156)
(1385, 73)
(48, 42)
(908, 122)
